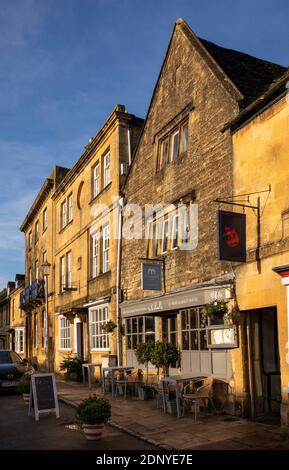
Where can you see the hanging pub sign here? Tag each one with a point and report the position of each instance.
(151, 276)
(231, 236)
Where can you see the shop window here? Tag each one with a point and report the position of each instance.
(99, 338)
(193, 332)
(139, 330)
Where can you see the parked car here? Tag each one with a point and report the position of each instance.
(12, 368)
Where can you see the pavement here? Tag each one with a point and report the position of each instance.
(18, 431)
(142, 419)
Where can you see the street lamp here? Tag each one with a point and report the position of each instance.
(46, 270)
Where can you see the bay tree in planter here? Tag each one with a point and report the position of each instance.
(73, 366)
(143, 354)
(93, 413)
(163, 357)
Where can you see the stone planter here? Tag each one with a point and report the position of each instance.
(93, 432)
(26, 398)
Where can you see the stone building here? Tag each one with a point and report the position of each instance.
(260, 171)
(38, 228)
(185, 157)
(4, 321)
(17, 317)
(86, 246)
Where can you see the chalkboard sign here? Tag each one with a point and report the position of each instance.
(43, 395)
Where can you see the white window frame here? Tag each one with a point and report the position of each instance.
(63, 214)
(176, 133)
(30, 276)
(175, 233)
(62, 274)
(69, 208)
(69, 269)
(44, 221)
(106, 169)
(44, 329)
(105, 248)
(36, 231)
(35, 331)
(96, 180)
(95, 253)
(18, 332)
(64, 326)
(97, 316)
(165, 231)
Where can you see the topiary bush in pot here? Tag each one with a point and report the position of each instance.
(93, 413)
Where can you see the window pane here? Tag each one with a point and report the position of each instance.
(185, 341)
(194, 340)
(175, 146)
(149, 324)
(203, 340)
(134, 325)
(193, 319)
(185, 137)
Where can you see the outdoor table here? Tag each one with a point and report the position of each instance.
(89, 368)
(176, 380)
(113, 370)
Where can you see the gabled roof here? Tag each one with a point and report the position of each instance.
(244, 76)
(251, 75)
(272, 95)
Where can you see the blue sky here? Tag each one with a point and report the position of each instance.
(66, 63)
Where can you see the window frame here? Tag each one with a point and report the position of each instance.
(65, 342)
(95, 180)
(35, 331)
(62, 271)
(105, 249)
(30, 241)
(63, 214)
(95, 245)
(183, 127)
(176, 132)
(18, 331)
(36, 231)
(43, 328)
(68, 273)
(44, 220)
(199, 329)
(175, 233)
(97, 316)
(69, 208)
(106, 169)
(165, 224)
(138, 334)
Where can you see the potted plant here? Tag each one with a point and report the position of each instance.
(143, 354)
(165, 355)
(218, 312)
(109, 326)
(93, 413)
(23, 387)
(73, 366)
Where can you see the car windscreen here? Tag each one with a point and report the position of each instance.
(9, 357)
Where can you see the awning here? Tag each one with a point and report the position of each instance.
(175, 301)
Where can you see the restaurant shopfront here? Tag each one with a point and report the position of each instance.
(177, 318)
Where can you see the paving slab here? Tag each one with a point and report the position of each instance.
(143, 418)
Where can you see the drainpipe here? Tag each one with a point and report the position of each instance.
(129, 145)
(118, 276)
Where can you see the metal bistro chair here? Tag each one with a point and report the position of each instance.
(107, 385)
(201, 394)
(121, 384)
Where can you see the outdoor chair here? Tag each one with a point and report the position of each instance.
(107, 382)
(202, 394)
(121, 384)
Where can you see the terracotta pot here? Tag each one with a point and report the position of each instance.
(93, 432)
(26, 397)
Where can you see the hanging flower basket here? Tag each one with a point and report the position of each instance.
(217, 310)
(109, 326)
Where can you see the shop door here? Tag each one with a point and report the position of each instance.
(79, 339)
(264, 367)
(170, 334)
